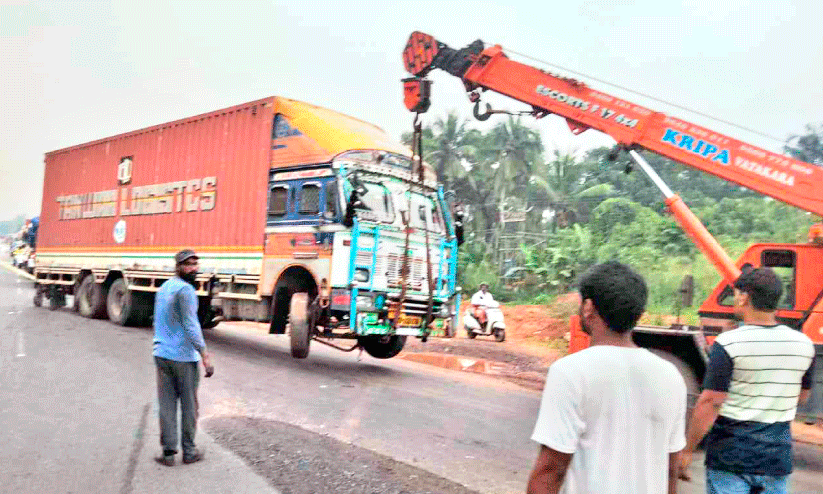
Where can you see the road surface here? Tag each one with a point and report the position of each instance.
(78, 414)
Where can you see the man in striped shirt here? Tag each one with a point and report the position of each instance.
(757, 375)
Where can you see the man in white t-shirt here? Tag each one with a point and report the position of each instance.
(480, 300)
(612, 416)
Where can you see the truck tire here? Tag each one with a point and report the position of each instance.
(382, 347)
(692, 385)
(38, 297)
(121, 304)
(299, 330)
(91, 298)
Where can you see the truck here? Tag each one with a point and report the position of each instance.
(635, 128)
(304, 218)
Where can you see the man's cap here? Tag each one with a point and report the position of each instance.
(184, 255)
(483, 283)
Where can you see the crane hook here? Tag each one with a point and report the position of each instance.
(482, 116)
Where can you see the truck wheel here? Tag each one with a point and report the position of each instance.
(499, 335)
(382, 347)
(121, 304)
(692, 386)
(91, 298)
(299, 331)
(38, 297)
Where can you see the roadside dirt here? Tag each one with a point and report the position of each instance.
(534, 340)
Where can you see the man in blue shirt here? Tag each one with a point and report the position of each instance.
(178, 346)
(757, 375)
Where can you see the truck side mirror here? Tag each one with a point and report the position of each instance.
(687, 291)
(458, 225)
(353, 203)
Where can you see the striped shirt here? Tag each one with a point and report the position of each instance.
(762, 368)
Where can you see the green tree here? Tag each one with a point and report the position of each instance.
(807, 147)
(561, 183)
(448, 144)
(506, 160)
(694, 186)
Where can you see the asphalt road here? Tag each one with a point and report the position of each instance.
(76, 396)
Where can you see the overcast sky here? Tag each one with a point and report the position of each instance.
(72, 72)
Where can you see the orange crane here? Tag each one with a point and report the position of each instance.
(634, 127)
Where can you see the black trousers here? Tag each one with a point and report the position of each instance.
(177, 382)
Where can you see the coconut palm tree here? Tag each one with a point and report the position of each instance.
(566, 186)
(449, 145)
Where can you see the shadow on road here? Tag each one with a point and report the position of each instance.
(253, 349)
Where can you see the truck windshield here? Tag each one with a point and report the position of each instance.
(425, 213)
(377, 204)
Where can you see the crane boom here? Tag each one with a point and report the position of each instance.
(487, 68)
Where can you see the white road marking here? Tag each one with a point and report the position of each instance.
(21, 347)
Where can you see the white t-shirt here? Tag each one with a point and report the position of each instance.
(481, 298)
(620, 411)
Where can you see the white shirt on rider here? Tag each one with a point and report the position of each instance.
(484, 299)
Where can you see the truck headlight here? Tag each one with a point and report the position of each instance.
(365, 302)
(361, 275)
(445, 311)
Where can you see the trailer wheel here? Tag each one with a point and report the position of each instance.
(692, 385)
(299, 330)
(91, 298)
(121, 304)
(382, 347)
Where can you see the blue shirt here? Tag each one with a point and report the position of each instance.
(177, 333)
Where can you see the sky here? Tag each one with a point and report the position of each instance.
(73, 72)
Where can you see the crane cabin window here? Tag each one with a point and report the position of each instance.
(784, 265)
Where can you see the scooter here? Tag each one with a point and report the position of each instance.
(495, 325)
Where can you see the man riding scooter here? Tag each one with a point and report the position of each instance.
(480, 300)
(484, 317)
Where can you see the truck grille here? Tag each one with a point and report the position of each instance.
(387, 267)
(416, 279)
(416, 306)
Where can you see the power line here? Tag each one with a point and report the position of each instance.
(654, 98)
